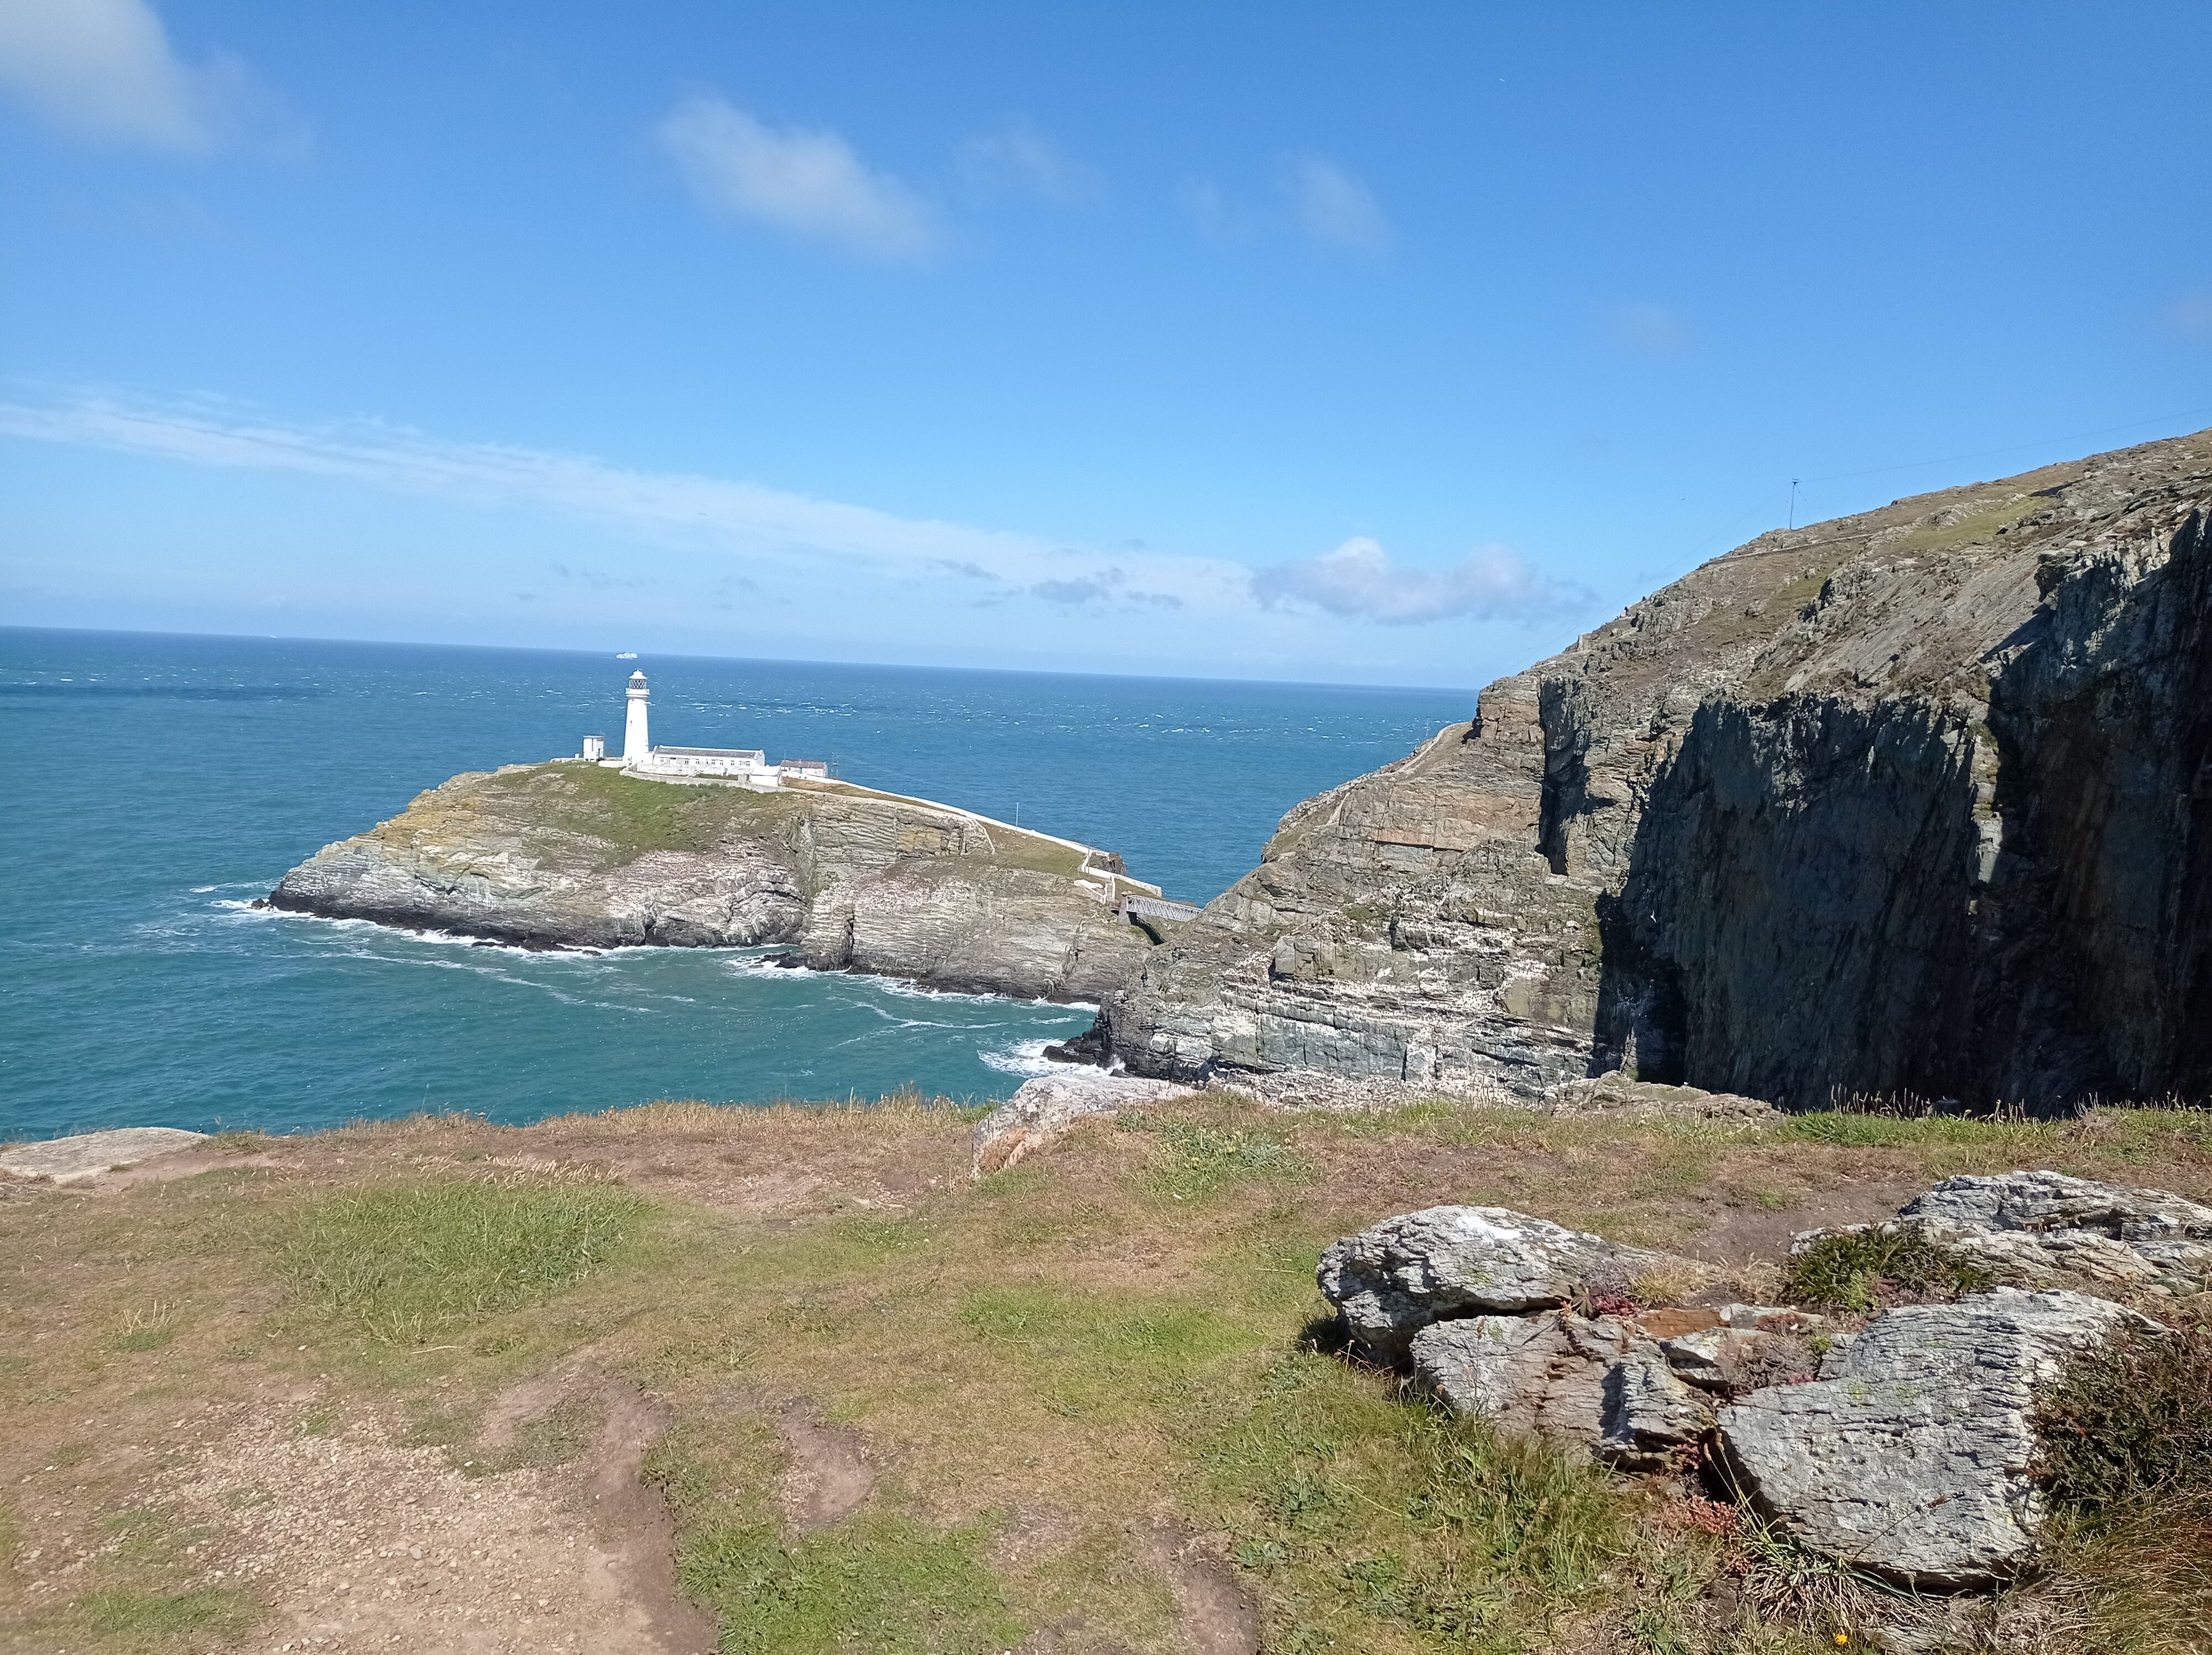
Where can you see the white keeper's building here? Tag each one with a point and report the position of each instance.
(747, 766)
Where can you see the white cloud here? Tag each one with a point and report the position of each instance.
(1651, 330)
(1361, 581)
(1333, 205)
(1020, 159)
(808, 182)
(104, 69)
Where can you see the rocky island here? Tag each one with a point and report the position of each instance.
(1913, 801)
(572, 853)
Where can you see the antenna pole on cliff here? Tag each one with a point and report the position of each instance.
(1793, 502)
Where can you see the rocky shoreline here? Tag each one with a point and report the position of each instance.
(570, 855)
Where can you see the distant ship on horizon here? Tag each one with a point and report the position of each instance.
(627, 655)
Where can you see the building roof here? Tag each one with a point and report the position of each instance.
(754, 753)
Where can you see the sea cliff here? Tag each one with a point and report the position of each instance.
(1911, 801)
(569, 853)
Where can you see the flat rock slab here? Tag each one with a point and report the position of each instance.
(2041, 1229)
(87, 1154)
(1045, 1108)
(1910, 1455)
(1394, 1278)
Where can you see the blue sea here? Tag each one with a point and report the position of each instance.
(161, 783)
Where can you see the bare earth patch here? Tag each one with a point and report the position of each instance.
(360, 1542)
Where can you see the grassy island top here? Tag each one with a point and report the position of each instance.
(404, 1378)
(632, 815)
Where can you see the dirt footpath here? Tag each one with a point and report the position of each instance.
(358, 1542)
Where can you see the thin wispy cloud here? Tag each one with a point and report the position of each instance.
(2192, 314)
(756, 524)
(1019, 160)
(105, 71)
(1211, 213)
(1360, 581)
(1649, 330)
(747, 518)
(806, 182)
(1334, 205)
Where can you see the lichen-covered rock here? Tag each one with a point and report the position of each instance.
(1618, 1096)
(1595, 1381)
(2032, 1229)
(572, 854)
(1043, 1110)
(1394, 1278)
(1910, 1455)
(1908, 801)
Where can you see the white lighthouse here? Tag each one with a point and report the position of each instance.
(635, 745)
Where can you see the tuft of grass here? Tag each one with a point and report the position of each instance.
(125, 1619)
(879, 1582)
(405, 1262)
(1360, 1513)
(1197, 1157)
(1860, 1269)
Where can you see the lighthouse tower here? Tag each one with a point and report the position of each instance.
(636, 746)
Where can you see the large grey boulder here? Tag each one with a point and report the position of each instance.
(2032, 1229)
(1910, 1455)
(1597, 1381)
(1394, 1278)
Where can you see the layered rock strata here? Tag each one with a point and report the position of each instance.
(2045, 1229)
(1911, 801)
(571, 855)
(1913, 1454)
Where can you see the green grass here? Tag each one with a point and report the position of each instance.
(1859, 1270)
(406, 1263)
(1196, 1159)
(880, 1582)
(1363, 1513)
(131, 1621)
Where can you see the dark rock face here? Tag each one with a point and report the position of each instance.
(1911, 801)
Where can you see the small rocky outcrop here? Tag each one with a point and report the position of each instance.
(568, 854)
(1039, 1114)
(1395, 1278)
(1913, 800)
(1906, 1449)
(2037, 1229)
(88, 1154)
(1912, 1456)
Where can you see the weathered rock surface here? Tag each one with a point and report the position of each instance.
(1599, 1382)
(2032, 1229)
(1910, 1455)
(570, 854)
(1622, 1098)
(1395, 1278)
(1912, 801)
(87, 1154)
(1037, 1115)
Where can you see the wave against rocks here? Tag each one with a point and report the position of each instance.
(1912, 801)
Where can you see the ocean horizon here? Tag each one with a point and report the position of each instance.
(194, 770)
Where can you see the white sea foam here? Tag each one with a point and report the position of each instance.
(1023, 1057)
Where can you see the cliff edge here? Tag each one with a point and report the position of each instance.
(569, 853)
(1911, 801)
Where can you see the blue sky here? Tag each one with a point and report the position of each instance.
(1378, 344)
